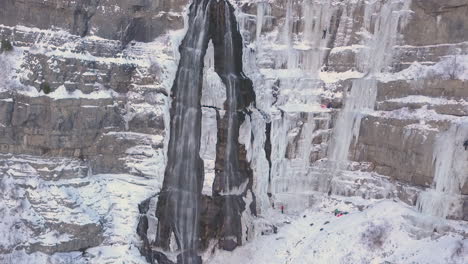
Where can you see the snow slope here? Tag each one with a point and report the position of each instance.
(374, 231)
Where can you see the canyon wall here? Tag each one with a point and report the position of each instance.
(351, 98)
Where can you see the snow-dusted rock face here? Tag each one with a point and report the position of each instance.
(353, 98)
(111, 19)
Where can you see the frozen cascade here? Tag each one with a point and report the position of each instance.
(373, 60)
(361, 98)
(288, 91)
(307, 50)
(253, 130)
(291, 59)
(318, 32)
(233, 174)
(451, 173)
(178, 205)
(296, 149)
(180, 208)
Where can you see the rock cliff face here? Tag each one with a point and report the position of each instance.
(139, 20)
(293, 98)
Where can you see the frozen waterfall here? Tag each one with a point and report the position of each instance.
(372, 60)
(182, 209)
(450, 174)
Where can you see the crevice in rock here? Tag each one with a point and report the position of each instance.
(211, 107)
(268, 149)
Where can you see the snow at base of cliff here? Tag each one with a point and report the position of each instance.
(374, 231)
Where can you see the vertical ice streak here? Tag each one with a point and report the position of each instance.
(362, 97)
(295, 109)
(450, 174)
(260, 18)
(372, 61)
(179, 203)
(288, 35)
(318, 18)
